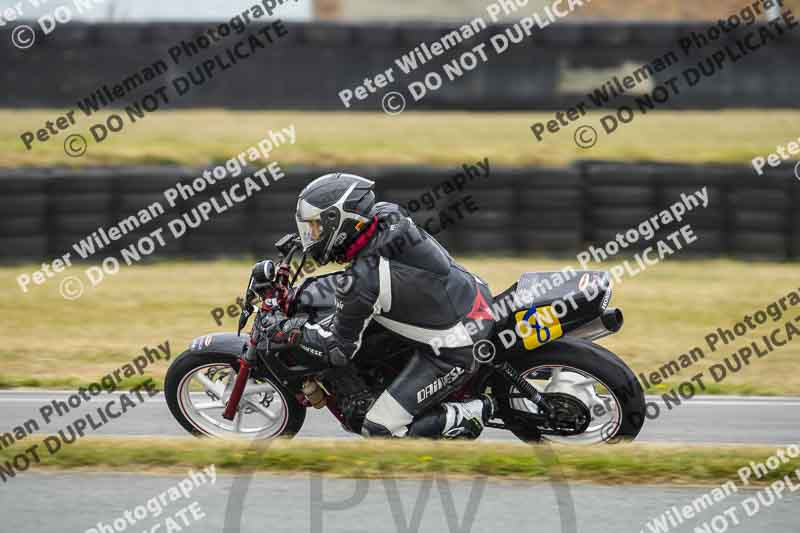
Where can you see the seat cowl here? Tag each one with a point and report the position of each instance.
(576, 297)
(546, 287)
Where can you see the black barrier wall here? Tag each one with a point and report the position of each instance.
(306, 68)
(556, 211)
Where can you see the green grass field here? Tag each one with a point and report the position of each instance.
(345, 138)
(670, 308)
(617, 464)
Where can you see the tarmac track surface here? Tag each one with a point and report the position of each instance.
(74, 502)
(703, 419)
(83, 501)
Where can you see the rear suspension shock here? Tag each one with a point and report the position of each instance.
(515, 378)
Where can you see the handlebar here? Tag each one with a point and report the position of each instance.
(270, 283)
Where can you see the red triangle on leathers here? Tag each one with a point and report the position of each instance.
(480, 309)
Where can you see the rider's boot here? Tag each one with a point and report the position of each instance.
(455, 419)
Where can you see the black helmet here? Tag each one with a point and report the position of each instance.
(331, 211)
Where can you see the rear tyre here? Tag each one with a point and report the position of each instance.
(584, 370)
(196, 385)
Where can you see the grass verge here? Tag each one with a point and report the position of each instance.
(669, 309)
(438, 138)
(623, 463)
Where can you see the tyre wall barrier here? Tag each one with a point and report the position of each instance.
(533, 210)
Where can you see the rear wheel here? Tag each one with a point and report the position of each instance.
(197, 387)
(600, 380)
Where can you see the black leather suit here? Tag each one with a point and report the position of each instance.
(406, 281)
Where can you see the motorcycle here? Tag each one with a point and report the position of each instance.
(551, 381)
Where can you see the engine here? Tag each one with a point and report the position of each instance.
(353, 396)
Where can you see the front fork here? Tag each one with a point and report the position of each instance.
(241, 381)
(278, 293)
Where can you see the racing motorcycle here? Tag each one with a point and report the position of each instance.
(551, 381)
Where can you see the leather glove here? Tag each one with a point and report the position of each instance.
(289, 332)
(280, 332)
(270, 325)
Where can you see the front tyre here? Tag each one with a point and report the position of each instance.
(587, 372)
(198, 385)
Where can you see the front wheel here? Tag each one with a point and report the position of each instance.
(584, 371)
(198, 385)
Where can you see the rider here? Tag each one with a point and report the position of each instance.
(402, 278)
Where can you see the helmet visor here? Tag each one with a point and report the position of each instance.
(309, 225)
(310, 231)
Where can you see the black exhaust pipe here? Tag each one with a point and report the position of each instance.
(609, 322)
(612, 319)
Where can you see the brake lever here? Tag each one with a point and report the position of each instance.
(247, 308)
(244, 317)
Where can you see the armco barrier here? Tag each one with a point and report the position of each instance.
(309, 66)
(43, 211)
